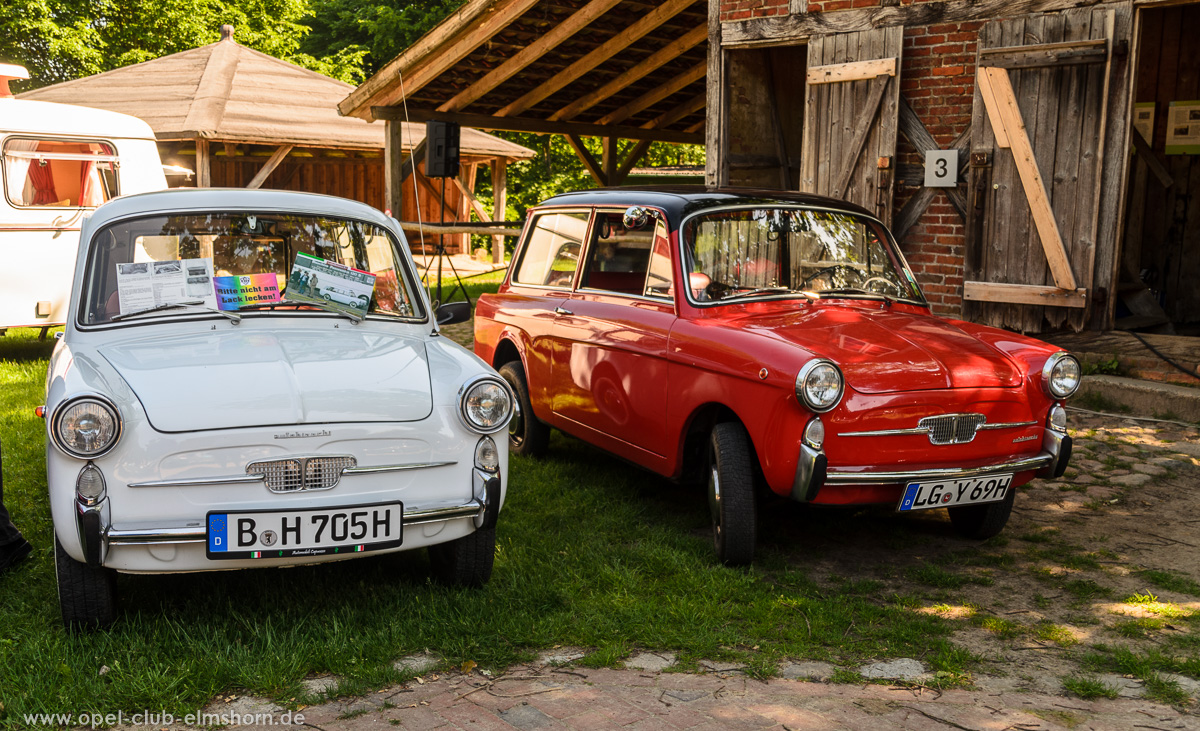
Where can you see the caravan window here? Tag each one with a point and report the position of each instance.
(62, 173)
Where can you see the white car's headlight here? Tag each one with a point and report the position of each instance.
(486, 405)
(1061, 375)
(819, 385)
(86, 426)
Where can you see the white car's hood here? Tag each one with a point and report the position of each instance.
(244, 378)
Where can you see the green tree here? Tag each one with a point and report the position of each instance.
(381, 29)
(60, 40)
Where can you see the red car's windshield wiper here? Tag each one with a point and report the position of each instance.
(769, 290)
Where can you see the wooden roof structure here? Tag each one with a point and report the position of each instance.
(226, 91)
(615, 69)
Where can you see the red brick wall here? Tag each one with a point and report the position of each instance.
(746, 9)
(937, 77)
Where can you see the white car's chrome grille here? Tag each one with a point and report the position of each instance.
(951, 428)
(302, 473)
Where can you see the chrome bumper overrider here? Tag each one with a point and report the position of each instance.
(96, 533)
(812, 472)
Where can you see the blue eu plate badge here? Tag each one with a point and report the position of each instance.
(217, 540)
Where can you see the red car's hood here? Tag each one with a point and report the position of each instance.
(887, 350)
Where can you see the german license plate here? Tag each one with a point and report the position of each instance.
(319, 532)
(949, 493)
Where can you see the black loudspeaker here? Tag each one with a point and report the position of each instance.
(441, 149)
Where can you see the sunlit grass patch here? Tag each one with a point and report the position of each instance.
(1089, 687)
(1058, 634)
(1171, 581)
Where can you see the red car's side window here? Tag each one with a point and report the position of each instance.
(551, 253)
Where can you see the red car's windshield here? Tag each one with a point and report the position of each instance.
(773, 251)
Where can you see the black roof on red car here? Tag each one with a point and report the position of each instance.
(681, 200)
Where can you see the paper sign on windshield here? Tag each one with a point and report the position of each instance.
(246, 289)
(145, 284)
(330, 284)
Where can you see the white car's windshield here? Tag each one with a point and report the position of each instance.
(185, 264)
(775, 251)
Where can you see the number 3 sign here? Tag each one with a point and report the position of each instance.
(941, 168)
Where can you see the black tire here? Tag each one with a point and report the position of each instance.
(730, 483)
(466, 561)
(87, 595)
(527, 435)
(326, 297)
(983, 521)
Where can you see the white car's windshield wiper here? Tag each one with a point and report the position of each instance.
(231, 316)
(326, 307)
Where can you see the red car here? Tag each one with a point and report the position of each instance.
(736, 336)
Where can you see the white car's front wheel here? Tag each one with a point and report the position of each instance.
(87, 595)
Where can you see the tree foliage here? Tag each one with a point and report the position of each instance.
(380, 29)
(59, 40)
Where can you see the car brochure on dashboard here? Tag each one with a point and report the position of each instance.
(330, 284)
(145, 284)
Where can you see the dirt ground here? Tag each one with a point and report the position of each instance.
(1095, 579)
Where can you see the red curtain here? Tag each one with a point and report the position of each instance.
(43, 183)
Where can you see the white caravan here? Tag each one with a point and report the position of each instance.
(59, 163)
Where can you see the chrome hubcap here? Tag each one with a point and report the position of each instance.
(714, 499)
(516, 425)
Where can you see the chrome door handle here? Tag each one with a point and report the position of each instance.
(562, 311)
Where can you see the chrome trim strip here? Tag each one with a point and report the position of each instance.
(395, 467)
(201, 481)
(1009, 425)
(148, 536)
(924, 430)
(940, 473)
(192, 534)
(245, 479)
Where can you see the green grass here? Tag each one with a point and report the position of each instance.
(1172, 581)
(591, 552)
(1088, 688)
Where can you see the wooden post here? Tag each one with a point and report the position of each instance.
(203, 173)
(609, 159)
(716, 166)
(393, 161)
(269, 167)
(499, 203)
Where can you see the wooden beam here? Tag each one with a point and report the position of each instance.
(589, 162)
(914, 130)
(203, 171)
(1045, 54)
(716, 119)
(1009, 114)
(359, 102)
(599, 55)
(854, 71)
(610, 145)
(499, 203)
(674, 115)
(418, 154)
(269, 166)
(631, 159)
(863, 127)
(438, 229)
(1147, 155)
(991, 106)
(540, 126)
(393, 152)
(1024, 294)
(428, 69)
(476, 206)
(529, 54)
(648, 65)
(654, 96)
(779, 29)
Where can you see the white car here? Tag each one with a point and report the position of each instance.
(182, 437)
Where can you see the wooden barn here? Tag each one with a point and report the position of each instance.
(999, 139)
(240, 118)
(1037, 158)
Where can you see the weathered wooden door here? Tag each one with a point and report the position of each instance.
(1037, 156)
(851, 104)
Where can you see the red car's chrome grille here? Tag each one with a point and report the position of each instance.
(951, 428)
(302, 473)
